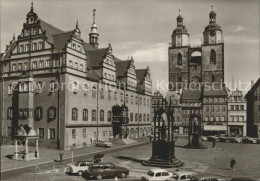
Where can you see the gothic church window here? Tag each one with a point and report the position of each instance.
(213, 57)
(179, 59)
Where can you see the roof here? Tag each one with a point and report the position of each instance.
(140, 74)
(191, 95)
(122, 67)
(216, 90)
(158, 170)
(49, 29)
(9, 50)
(96, 56)
(254, 87)
(213, 26)
(180, 30)
(60, 40)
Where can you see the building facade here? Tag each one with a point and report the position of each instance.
(253, 110)
(237, 114)
(65, 88)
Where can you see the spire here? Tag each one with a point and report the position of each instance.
(31, 6)
(94, 15)
(212, 15)
(179, 11)
(77, 24)
(212, 8)
(179, 19)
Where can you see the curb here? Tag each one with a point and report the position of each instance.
(81, 155)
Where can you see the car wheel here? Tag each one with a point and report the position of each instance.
(80, 173)
(122, 175)
(99, 177)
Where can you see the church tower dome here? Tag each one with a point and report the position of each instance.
(93, 35)
(180, 35)
(212, 33)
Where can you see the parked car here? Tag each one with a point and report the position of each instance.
(79, 167)
(203, 138)
(224, 139)
(105, 170)
(206, 178)
(213, 138)
(238, 140)
(156, 174)
(103, 143)
(181, 175)
(248, 140)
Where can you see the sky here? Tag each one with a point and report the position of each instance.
(142, 29)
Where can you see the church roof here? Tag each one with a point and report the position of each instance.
(97, 56)
(180, 30)
(213, 26)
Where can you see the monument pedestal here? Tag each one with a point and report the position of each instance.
(195, 143)
(163, 155)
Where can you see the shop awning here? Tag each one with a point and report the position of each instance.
(215, 128)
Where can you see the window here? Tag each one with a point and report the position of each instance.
(14, 67)
(38, 113)
(27, 48)
(9, 113)
(21, 48)
(136, 100)
(34, 46)
(212, 118)
(223, 118)
(94, 115)
(115, 96)
(74, 114)
(52, 87)
(41, 133)
(76, 65)
(213, 57)
(237, 108)
(74, 46)
(109, 95)
(126, 98)
(101, 93)
(179, 59)
(74, 87)
(242, 118)
(23, 87)
(85, 115)
(38, 88)
(232, 118)
(47, 63)
(34, 65)
(232, 108)
(144, 102)
(25, 65)
(158, 174)
(101, 115)
(217, 118)
(135, 117)
(140, 101)
(9, 131)
(40, 45)
(206, 118)
(148, 102)
(109, 116)
(52, 134)
(84, 132)
(144, 117)
(10, 89)
(207, 109)
(81, 67)
(218, 109)
(70, 64)
(148, 118)
(131, 117)
(51, 113)
(140, 117)
(242, 107)
(223, 109)
(94, 92)
(41, 64)
(73, 134)
(122, 97)
(212, 109)
(20, 66)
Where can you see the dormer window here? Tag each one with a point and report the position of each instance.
(21, 48)
(40, 45)
(35, 31)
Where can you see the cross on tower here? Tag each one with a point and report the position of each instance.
(94, 14)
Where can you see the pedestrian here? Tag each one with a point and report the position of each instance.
(232, 163)
(214, 144)
(61, 156)
(91, 141)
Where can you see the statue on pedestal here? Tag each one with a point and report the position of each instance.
(163, 131)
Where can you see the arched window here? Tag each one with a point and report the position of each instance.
(213, 57)
(148, 118)
(135, 117)
(38, 87)
(85, 115)
(179, 59)
(94, 92)
(101, 115)
(109, 116)
(131, 117)
(144, 102)
(101, 93)
(213, 79)
(136, 100)
(94, 116)
(9, 113)
(115, 96)
(126, 98)
(38, 113)
(109, 94)
(74, 114)
(10, 89)
(144, 117)
(140, 117)
(51, 113)
(132, 99)
(140, 101)
(122, 97)
(52, 86)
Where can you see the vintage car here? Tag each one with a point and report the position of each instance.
(181, 175)
(206, 178)
(249, 140)
(105, 170)
(156, 174)
(203, 138)
(103, 143)
(79, 167)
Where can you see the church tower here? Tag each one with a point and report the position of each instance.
(93, 35)
(178, 56)
(212, 51)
